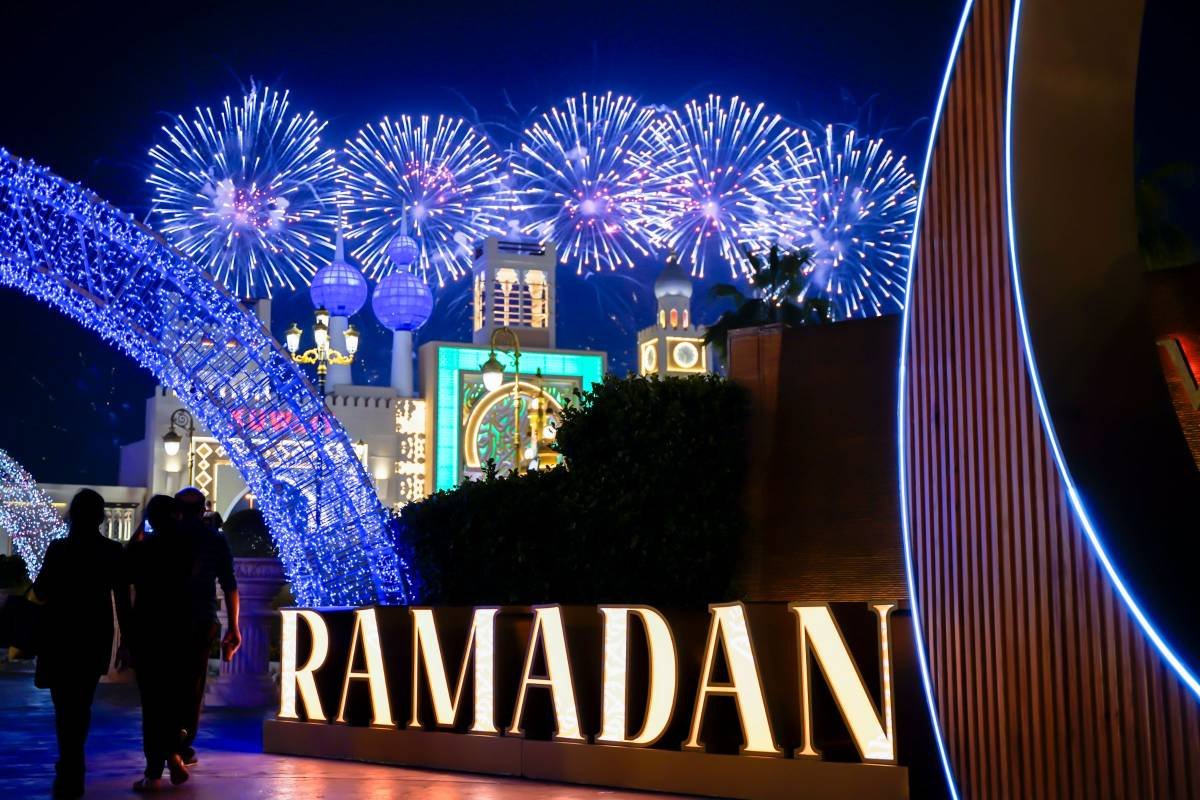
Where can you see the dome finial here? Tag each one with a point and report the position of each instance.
(672, 281)
(403, 249)
(338, 286)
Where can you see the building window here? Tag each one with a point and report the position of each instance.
(480, 285)
(686, 321)
(674, 318)
(520, 300)
(662, 318)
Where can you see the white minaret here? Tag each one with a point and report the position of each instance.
(339, 374)
(402, 302)
(674, 345)
(402, 363)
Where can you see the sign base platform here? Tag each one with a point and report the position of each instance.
(646, 769)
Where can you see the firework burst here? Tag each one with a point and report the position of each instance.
(864, 204)
(247, 192)
(714, 171)
(578, 186)
(443, 174)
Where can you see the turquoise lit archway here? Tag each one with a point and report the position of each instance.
(65, 247)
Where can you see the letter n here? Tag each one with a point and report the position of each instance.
(819, 634)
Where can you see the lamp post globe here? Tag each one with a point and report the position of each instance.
(171, 441)
(292, 337)
(493, 373)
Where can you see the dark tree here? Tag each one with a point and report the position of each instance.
(645, 508)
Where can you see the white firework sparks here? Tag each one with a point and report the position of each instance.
(864, 205)
(442, 173)
(578, 185)
(720, 190)
(247, 192)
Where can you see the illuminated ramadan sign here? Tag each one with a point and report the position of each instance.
(624, 676)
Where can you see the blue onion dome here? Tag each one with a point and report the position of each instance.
(402, 250)
(402, 301)
(338, 287)
(673, 281)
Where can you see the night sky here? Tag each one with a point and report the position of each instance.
(86, 88)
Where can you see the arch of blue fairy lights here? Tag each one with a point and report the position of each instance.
(27, 514)
(63, 246)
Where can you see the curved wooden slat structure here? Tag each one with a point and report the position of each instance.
(1047, 678)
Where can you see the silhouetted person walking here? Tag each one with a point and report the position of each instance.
(211, 564)
(158, 573)
(81, 575)
(212, 518)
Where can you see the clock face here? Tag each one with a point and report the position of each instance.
(649, 359)
(686, 355)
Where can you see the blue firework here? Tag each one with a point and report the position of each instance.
(442, 173)
(577, 185)
(248, 192)
(715, 172)
(863, 209)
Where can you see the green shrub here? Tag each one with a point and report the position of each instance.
(646, 508)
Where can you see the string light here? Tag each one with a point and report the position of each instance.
(27, 513)
(66, 248)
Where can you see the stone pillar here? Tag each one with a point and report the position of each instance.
(338, 373)
(246, 680)
(402, 363)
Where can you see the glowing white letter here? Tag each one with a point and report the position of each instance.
(427, 650)
(290, 677)
(729, 627)
(548, 629)
(366, 628)
(660, 703)
(819, 632)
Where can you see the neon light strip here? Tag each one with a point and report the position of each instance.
(926, 681)
(1165, 649)
(454, 361)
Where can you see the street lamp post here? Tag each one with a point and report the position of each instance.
(493, 378)
(322, 355)
(545, 456)
(182, 418)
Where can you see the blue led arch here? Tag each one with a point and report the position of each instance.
(65, 247)
(27, 514)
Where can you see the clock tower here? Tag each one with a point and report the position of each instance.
(673, 345)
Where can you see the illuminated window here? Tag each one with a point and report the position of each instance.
(520, 300)
(506, 302)
(535, 282)
(662, 318)
(674, 318)
(686, 321)
(480, 284)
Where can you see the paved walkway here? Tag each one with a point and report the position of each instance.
(232, 765)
